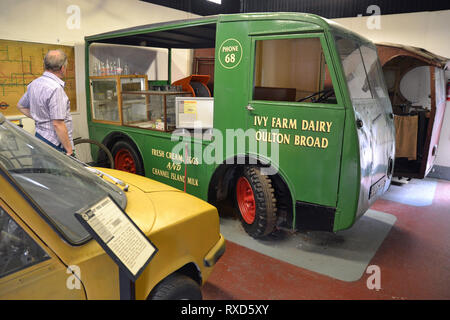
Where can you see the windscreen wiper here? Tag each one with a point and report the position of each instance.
(101, 174)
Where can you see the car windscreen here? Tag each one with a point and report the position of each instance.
(59, 185)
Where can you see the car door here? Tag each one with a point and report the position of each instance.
(28, 268)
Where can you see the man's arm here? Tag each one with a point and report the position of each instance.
(24, 105)
(24, 110)
(63, 135)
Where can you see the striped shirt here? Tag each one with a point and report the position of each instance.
(47, 101)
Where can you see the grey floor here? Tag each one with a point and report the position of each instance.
(344, 255)
(416, 192)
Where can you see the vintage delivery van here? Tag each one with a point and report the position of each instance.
(292, 121)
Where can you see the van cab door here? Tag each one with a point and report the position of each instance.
(295, 105)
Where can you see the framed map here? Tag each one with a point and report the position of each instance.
(21, 63)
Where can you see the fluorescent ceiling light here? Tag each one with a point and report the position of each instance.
(216, 1)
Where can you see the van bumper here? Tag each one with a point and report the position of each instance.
(314, 217)
(215, 253)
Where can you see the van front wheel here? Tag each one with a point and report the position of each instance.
(255, 200)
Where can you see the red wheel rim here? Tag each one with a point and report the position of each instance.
(246, 200)
(124, 161)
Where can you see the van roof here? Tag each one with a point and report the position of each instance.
(200, 32)
(389, 51)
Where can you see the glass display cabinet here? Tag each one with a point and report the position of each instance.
(106, 96)
(151, 109)
(126, 100)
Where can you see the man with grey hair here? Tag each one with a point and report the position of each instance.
(48, 105)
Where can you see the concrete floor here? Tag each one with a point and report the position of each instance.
(413, 260)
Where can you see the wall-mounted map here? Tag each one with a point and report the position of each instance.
(21, 63)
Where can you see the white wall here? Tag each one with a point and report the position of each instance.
(428, 30)
(54, 22)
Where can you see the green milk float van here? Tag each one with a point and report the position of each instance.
(289, 118)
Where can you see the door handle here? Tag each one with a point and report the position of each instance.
(249, 108)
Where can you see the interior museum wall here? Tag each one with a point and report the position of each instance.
(428, 30)
(51, 21)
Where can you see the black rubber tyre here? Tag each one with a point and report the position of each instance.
(177, 286)
(200, 89)
(261, 222)
(104, 156)
(127, 158)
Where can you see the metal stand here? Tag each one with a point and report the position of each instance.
(126, 286)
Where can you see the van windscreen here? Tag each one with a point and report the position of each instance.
(362, 69)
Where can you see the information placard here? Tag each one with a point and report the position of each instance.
(118, 235)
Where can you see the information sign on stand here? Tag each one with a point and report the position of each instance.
(122, 240)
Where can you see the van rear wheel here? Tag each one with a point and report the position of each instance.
(256, 202)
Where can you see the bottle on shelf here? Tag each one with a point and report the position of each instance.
(102, 69)
(95, 71)
(119, 68)
(113, 68)
(108, 68)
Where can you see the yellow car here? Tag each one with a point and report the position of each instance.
(45, 253)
